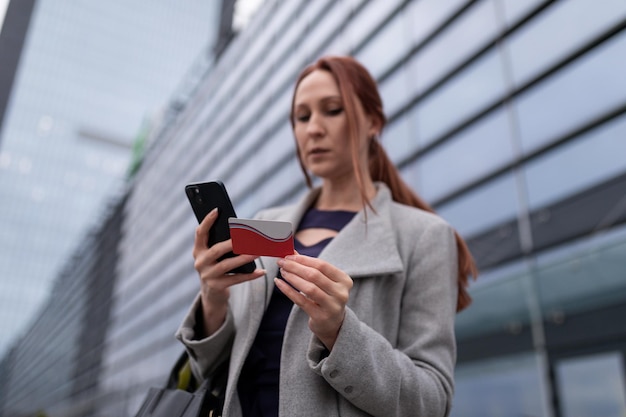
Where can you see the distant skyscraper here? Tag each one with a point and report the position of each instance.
(90, 77)
(14, 23)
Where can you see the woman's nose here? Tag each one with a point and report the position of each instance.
(315, 126)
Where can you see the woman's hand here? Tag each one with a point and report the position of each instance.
(322, 292)
(215, 281)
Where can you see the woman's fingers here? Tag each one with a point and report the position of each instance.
(229, 280)
(226, 265)
(298, 297)
(202, 232)
(313, 276)
(213, 268)
(320, 290)
(212, 260)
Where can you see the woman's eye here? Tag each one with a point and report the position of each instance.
(335, 111)
(302, 117)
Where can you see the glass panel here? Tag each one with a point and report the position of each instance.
(395, 91)
(581, 163)
(515, 9)
(486, 206)
(398, 138)
(453, 46)
(504, 387)
(582, 278)
(285, 178)
(534, 48)
(588, 88)
(410, 175)
(340, 45)
(330, 21)
(467, 93)
(498, 305)
(391, 43)
(474, 152)
(604, 397)
(285, 33)
(368, 18)
(280, 144)
(426, 15)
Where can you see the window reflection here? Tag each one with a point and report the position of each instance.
(501, 306)
(515, 9)
(369, 17)
(588, 88)
(399, 139)
(474, 152)
(581, 163)
(282, 43)
(602, 398)
(255, 164)
(326, 26)
(507, 387)
(426, 15)
(391, 42)
(534, 48)
(583, 279)
(288, 176)
(454, 45)
(489, 205)
(394, 91)
(467, 93)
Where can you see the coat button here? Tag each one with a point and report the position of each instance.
(348, 389)
(334, 373)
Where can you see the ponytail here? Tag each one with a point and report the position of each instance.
(383, 170)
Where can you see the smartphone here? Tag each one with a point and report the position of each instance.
(203, 198)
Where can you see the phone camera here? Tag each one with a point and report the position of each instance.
(194, 192)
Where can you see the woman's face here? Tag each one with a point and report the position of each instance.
(321, 127)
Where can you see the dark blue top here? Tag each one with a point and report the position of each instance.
(258, 383)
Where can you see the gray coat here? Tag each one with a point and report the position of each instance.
(395, 352)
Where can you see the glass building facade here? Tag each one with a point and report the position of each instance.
(508, 116)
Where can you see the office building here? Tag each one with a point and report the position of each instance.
(509, 117)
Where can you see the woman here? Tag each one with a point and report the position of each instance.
(376, 280)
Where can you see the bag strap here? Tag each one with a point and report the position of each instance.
(181, 376)
(186, 380)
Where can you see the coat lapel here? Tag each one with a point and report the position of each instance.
(377, 251)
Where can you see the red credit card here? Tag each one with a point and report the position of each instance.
(261, 237)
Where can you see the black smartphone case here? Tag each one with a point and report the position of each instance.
(203, 198)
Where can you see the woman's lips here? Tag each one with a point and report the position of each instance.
(317, 151)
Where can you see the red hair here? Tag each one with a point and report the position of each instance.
(356, 83)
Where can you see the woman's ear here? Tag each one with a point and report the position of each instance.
(374, 127)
